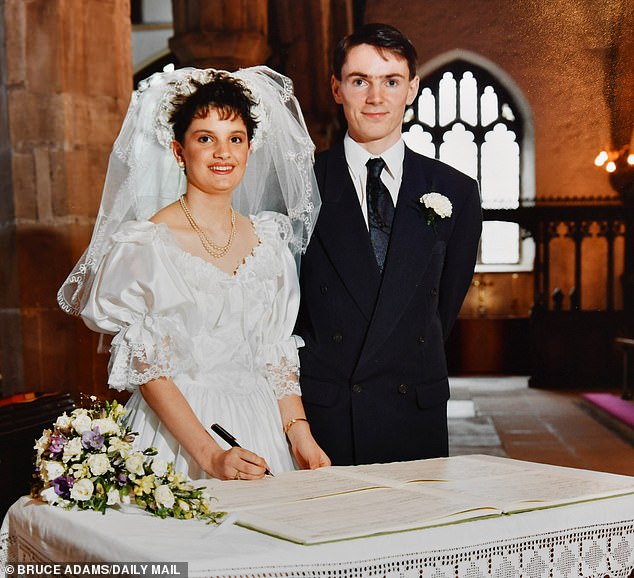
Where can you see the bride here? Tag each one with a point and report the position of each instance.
(202, 299)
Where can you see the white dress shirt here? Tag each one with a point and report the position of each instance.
(392, 174)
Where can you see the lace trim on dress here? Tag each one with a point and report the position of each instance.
(272, 229)
(147, 350)
(284, 378)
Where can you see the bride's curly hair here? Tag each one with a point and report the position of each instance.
(225, 94)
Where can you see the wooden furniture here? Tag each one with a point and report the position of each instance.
(626, 345)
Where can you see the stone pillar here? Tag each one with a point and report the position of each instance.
(66, 80)
(224, 34)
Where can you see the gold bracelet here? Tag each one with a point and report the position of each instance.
(291, 423)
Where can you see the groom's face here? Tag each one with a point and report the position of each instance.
(374, 90)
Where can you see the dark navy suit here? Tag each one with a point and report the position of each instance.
(373, 370)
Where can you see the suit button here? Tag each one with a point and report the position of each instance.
(356, 388)
(323, 289)
(434, 291)
(421, 339)
(337, 338)
(402, 388)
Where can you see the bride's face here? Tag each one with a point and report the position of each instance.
(215, 152)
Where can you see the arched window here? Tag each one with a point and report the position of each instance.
(467, 118)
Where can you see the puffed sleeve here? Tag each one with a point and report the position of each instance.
(279, 344)
(139, 297)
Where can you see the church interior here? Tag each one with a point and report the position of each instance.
(535, 99)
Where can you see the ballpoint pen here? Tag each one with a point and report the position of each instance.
(225, 435)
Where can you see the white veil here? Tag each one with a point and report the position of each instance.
(143, 175)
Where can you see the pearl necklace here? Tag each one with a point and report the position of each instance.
(212, 248)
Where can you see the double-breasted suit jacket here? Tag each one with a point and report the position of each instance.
(373, 368)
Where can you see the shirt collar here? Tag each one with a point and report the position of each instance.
(357, 157)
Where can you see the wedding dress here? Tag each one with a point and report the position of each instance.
(225, 340)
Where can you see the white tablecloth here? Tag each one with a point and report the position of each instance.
(591, 539)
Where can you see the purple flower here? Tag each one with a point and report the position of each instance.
(62, 486)
(92, 439)
(122, 479)
(56, 445)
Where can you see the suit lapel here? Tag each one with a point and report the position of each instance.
(407, 258)
(344, 235)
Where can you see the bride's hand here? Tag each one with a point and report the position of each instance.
(236, 464)
(307, 452)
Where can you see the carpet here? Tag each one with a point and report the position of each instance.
(613, 405)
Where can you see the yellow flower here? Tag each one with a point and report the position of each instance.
(117, 410)
(81, 470)
(145, 485)
(176, 478)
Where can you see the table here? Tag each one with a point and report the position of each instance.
(591, 539)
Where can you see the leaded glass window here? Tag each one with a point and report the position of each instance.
(466, 118)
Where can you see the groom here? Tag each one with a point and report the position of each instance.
(385, 273)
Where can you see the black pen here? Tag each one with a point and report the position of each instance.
(225, 435)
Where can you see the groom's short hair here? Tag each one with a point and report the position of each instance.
(384, 38)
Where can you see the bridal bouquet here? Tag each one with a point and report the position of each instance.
(87, 461)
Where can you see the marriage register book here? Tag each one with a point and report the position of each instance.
(339, 503)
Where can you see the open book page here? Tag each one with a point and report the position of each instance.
(342, 502)
(514, 484)
(437, 469)
(233, 496)
(304, 485)
(358, 514)
(533, 486)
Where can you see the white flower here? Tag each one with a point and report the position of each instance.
(82, 490)
(63, 422)
(72, 449)
(49, 495)
(96, 471)
(159, 467)
(81, 422)
(99, 464)
(113, 497)
(134, 464)
(117, 445)
(79, 411)
(106, 426)
(42, 444)
(437, 203)
(163, 496)
(51, 470)
(80, 470)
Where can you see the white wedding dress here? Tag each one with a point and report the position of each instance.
(225, 340)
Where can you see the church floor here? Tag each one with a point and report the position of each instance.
(502, 416)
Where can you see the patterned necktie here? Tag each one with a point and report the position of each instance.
(380, 210)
